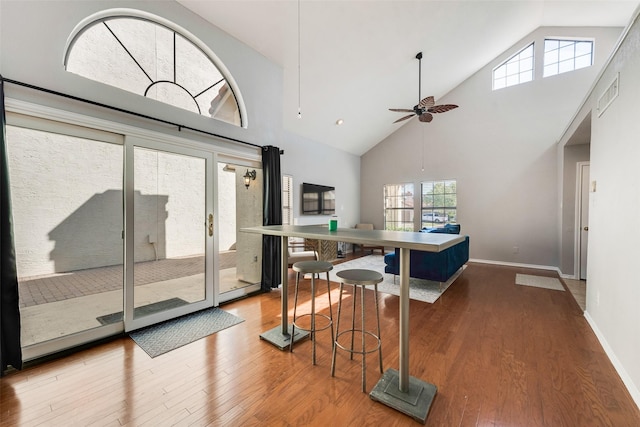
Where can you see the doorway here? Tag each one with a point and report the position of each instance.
(582, 218)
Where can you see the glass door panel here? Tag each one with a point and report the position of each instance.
(239, 254)
(169, 271)
(66, 194)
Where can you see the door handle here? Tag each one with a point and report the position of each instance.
(586, 228)
(210, 225)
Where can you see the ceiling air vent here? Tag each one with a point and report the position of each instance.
(608, 96)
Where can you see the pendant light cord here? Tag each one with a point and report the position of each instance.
(419, 56)
(422, 148)
(299, 107)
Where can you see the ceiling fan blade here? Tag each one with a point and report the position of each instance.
(442, 108)
(425, 117)
(427, 102)
(401, 110)
(404, 118)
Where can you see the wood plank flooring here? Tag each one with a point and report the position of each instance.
(500, 354)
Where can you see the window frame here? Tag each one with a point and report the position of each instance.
(397, 211)
(109, 14)
(445, 209)
(515, 59)
(571, 42)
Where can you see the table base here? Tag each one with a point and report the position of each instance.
(414, 403)
(280, 340)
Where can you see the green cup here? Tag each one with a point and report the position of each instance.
(333, 224)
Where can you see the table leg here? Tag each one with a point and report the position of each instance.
(397, 389)
(284, 271)
(280, 336)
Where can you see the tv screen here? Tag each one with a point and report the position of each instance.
(318, 199)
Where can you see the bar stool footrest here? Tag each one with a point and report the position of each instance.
(354, 351)
(327, 326)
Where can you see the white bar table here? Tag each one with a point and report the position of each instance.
(396, 388)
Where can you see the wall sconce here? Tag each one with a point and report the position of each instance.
(248, 177)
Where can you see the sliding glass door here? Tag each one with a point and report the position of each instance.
(66, 196)
(116, 232)
(169, 232)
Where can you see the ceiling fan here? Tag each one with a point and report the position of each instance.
(426, 107)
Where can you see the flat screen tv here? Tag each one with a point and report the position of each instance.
(318, 199)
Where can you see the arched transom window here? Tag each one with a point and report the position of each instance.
(154, 58)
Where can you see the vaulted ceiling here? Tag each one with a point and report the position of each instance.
(356, 58)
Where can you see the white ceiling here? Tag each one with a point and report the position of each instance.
(357, 57)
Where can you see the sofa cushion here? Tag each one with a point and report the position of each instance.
(447, 229)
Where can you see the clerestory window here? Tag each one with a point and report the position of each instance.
(515, 70)
(156, 59)
(561, 56)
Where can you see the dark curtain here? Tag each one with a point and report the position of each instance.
(10, 350)
(272, 215)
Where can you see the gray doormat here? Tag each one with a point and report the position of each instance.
(166, 336)
(539, 282)
(144, 310)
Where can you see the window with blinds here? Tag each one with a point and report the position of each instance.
(287, 200)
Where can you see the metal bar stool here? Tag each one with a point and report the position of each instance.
(314, 268)
(358, 279)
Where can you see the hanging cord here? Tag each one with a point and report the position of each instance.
(299, 107)
(422, 147)
(121, 110)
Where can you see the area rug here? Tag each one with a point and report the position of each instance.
(166, 336)
(419, 289)
(144, 310)
(539, 282)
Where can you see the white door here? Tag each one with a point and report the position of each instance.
(584, 218)
(169, 228)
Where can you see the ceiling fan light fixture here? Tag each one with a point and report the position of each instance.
(339, 122)
(425, 107)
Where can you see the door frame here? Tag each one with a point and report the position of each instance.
(578, 219)
(131, 323)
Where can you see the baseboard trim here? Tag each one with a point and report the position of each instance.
(626, 379)
(516, 264)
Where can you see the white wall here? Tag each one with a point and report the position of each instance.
(613, 294)
(67, 216)
(321, 164)
(500, 146)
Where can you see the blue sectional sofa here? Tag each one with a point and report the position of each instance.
(436, 266)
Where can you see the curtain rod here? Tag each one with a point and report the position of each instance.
(99, 104)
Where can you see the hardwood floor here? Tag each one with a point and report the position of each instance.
(500, 354)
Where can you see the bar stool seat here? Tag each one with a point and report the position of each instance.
(358, 278)
(314, 268)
